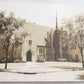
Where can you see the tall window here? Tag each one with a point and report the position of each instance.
(41, 51)
(30, 42)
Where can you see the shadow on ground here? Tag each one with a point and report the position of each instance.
(6, 70)
(81, 77)
(68, 68)
(25, 73)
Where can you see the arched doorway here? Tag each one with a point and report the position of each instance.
(29, 56)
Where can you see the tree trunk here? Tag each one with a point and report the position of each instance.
(6, 56)
(12, 52)
(82, 57)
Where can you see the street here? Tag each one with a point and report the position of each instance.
(48, 71)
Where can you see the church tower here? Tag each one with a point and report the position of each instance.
(56, 22)
(56, 41)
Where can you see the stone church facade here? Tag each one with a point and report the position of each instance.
(34, 46)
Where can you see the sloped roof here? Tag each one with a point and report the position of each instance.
(38, 32)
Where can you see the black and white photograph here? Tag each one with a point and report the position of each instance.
(41, 41)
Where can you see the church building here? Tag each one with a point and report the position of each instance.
(39, 45)
(34, 47)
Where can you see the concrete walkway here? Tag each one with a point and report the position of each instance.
(33, 68)
(45, 67)
(48, 71)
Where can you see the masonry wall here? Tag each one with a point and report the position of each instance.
(26, 47)
(74, 52)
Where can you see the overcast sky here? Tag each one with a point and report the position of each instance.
(43, 12)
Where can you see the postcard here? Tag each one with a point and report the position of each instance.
(41, 41)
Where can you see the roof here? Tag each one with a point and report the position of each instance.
(37, 32)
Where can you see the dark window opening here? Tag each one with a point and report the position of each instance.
(30, 42)
(41, 51)
(29, 56)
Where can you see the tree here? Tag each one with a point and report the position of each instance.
(8, 24)
(56, 44)
(72, 26)
(49, 44)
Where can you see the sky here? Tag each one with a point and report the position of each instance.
(43, 12)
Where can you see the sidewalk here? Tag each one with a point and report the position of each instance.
(32, 68)
(55, 71)
(47, 67)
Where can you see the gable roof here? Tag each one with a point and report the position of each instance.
(38, 32)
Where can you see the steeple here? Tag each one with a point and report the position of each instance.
(56, 22)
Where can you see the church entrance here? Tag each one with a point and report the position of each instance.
(29, 56)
